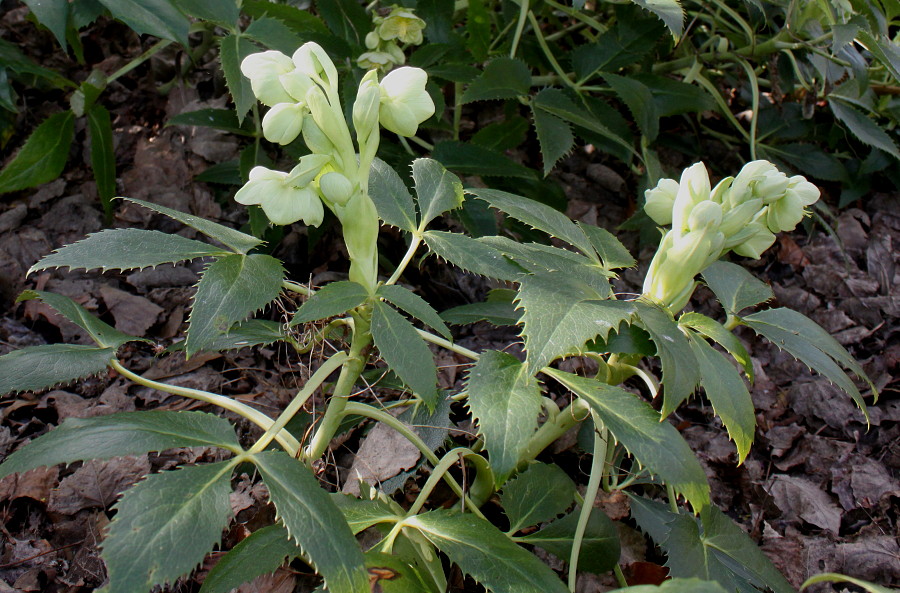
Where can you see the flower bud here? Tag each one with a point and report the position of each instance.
(366, 106)
(658, 201)
(360, 223)
(401, 24)
(335, 187)
(771, 187)
(735, 219)
(719, 193)
(380, 60)
(692, 189)
(315, 139)
(313, 61)
(331, 124)
(404, 101)
(282, 203)
(264, 71)
(283, 122)
(372, 40)
(307, 169)
(705, 215)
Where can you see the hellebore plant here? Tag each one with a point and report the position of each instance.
(564, 305)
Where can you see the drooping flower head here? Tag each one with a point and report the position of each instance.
(286, 197)
(404, 101)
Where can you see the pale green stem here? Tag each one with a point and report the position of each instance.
(620, 576)
(598, 467)
(407, 257)
(673, 499)
(285, 439)
(520, 26)
(159, 45)
(547, 52)
(754, 108)
(457, 108)
(577, 14)
(424, 144)
(437, 340)
(297, 288)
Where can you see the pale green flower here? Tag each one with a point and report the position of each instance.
(658, 202)
(335, 187)
(381, 60)
(786, 213)
(692, 189)
(286, 197)
(314, 62)
(367, 106)
(735, 219)
(758, 179)
(404, 101)
(264, 71)
(283, 122)
(760, 238)
(403, 25)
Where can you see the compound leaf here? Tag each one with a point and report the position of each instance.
(866, 130)
(735, 287)
(538, 494)
(392, 200)
(609, 248)
(262, 552)
(414, 305)
(716, 332)
(332, 299)
(274, 34)
(639, 100)
(43, 155)
(232, 50)
(437, 189)
(37, 367)
(600, 548)
(503, 78)
(405, 352)
(472, 255)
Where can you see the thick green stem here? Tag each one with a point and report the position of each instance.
(159, 45)
(549, 432)
(598, 468)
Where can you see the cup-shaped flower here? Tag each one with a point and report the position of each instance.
(335, 187)
(380, 60)
(786, 213)
(314, 62)
(264, 71)
(705, 215)
(403, 25)
(692, 189)
(286, 197)
(658, 201)
(758, 179)
(282, 123)
(404, 101)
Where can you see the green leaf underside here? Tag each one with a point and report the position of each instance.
(165, 525)
(103, 157)
(392, 200)
(735, 287)
(716, 332)
(502, 78)
(561, 313)
(262, 552)
(102, 333)
(250, 333)
(539, 494)
(43, 156)
(505, 401)
(361, 513)
(159, 18)
(414, 305)
(677, 586)
(486, 554)
(332, 299)
(220, 119)
(495, 313)
(611, 251)
(124, 433)
(227, 236)
(54, 15)
(679, 367)
(669, 11)
(437, 189)
(728, 394)
(313, 521)
(536, 215)
(472, 255)
(38, 367)
(126, 249)
(810, 344)
(555, 137)
(655, 444)
(599, 547)
(720, 551)
(233, 49)
(232, 287)
(405, 352)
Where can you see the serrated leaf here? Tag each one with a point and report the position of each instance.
(53, 14)
(677, 585)
(720, 551)
(735, 287)
(611, 251)
(313, 521)
(332, 299)
(224, 12)
(301, 21)
(673, 97)
(640, 102)
(123, 433)
(12, 57)
(126, 249)
(503, 78)
(274, 34)
(103, 157)
(231, 288)
(865, 130)
(38, 367)
(495, 313)
(486, 554)
(165, 525)
(253, 332)
(625, 43)
(227, 236)
(159, 18)
(600, 548)
(478, 28)
(539, 494)
(232, 50)
(405, 352)
(679, 367)
(811, 345)
(728, 395)
(414, 305)
(537, 258)
(400, 576)
(505, 134)
(392, 200)
(361, 513)
(472, 255)
(219, 119)
(669, 11)
(43, 155)
(505, 401)
(716, 332)
(472, 159)
(885, 51)
(555, 137)
(437, 189)
(654, 443)
(562, 313)
(628, 339)
(102, 333)
(262, 552)
(536, 215)
(346, 18)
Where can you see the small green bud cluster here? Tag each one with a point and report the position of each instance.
(401, 25)
(741, 214)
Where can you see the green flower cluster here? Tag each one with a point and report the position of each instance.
(741, 214)
(303, 94)
(401, 25)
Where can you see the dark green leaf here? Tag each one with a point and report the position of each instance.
(735, 287)
(495, 313)
(673, 97)
(599, 546)
(439, 16)
(884, 50)
(539, 494)
(505, 401)
(505, 134)
(669, 11)
(362, 513)
(103, 157)
(628, 339)
(392, 200)
(811, 160)
(478, 28)
(53, 14)
(346, 18)
(485, 553)
(437, 189)
(471, 159)
(537, 258)
(18, 63)
(43, 156)
(274, 34)
(472, 255)
(219, 119)
(866, 130)
(332, 299)
(38, 367)
(503, 78)
(253, 332)
(314, 522)
(165, 525)
(233, 49)
(608, 247)
(225, 173)
(405, 352)
(232, 287)
(639, 101)
(159, 18)
(102, 333)
(416, 306)
(555, 137)
(223, 12)
(724, 338)
(625, 43)
(262, 552)
(301, 21)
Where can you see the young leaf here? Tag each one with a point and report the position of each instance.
(716, 332)
(555, 137)
(124, 433)
(126, 249)
(669, 11)
(103, 157)
(639, 101)
(654, 443)
(611, 251)
(232, 287)
(392, 200)
(679, 366)
(866, 130)
(53, 14)
(227, 236)
(600, 548)
(219, 119)
(538, 494)
(472, 159)
(313, 521)
(43, 156)
(416, 306)
(262, 552)
(38, 367)
(232, 50)
(735, 287)
(159, 18)
(405, 352)
(437, 190)
(332, 299)
(472, 255)
(485, 553)
(503, 78)
(166, 524)
(728, 394)
(505, 401)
